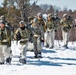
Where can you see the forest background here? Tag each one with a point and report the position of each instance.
(17, 10)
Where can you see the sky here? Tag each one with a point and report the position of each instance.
(1, 1)
(69, 4)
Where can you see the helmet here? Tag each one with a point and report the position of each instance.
(75, 20)
(49, 15)
(56, 14)
(1, 21)
(39, 14)
(65, 15)
(2, 17)
(21, 22)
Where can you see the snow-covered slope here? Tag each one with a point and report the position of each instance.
(57, 61)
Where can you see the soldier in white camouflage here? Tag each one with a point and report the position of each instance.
(38, 35)
(22, 36)
(51, 27)
(66, 24)
(41, 22)
(40, 26)
(5, 44)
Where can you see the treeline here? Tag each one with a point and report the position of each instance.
(16, 10)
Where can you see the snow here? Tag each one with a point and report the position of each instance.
(56, 61)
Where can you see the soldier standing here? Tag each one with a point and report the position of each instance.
(22, 36)
(40, 28)
(57, 27)
(51, 26)
(5, 44)
(41, 22)
(37, 37)
(66, 23)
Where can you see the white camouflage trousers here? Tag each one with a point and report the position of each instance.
(23, 49)
(65, 36)
(5, 52)
(50, 37)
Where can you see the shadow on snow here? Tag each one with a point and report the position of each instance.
(48, 51)
(50, 62)
(42, 63)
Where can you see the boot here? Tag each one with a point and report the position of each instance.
(1, 63)
(65, 46)
(39, 55)
(51, 47)
(47, 46)
(35, 56)
(8, 60)
(22, 60)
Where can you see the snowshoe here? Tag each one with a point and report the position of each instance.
(47, 46)
(22, 60)
(35, 56)
(51, 47)
(65, 46)
(8, 60)
(39, 55)
(1, 63)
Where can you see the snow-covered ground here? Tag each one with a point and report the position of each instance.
(57, 61)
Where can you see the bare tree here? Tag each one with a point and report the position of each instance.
(22, 5)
